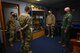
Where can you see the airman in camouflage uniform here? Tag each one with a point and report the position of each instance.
(25, 25)
(65, 30)
(12, 28)
(50, 23)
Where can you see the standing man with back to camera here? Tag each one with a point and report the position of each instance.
(50, 23)
(25, 28)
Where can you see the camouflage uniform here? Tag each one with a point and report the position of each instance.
(12, 28)
(25, 20)
(50, 21)
(65, 35)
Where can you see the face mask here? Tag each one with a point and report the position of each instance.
(14, 15)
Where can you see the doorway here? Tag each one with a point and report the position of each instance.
(6, 9)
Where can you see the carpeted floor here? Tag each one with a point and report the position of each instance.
(46, 45)
(41, 45)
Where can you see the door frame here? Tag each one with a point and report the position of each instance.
(3, 24)
(13, 4)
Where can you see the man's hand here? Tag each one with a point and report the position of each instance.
(20, 29)
(53, 25)
(47, 25)
(65, 30)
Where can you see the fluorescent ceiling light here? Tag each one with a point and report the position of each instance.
(32, 6)
(37, 0)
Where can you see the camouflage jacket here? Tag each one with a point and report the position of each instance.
(12, 23)
(25, 21)
(66, 20)
(50, 19)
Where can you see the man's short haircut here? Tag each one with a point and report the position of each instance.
(27, 8)
(67, 8)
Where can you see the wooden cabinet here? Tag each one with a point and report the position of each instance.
(75, 45)
(37, 22)
(38, 34)
(37, 19)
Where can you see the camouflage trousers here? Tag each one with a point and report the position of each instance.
(26, 39)
(11, 37)
(65, 40)
(50, 30)
(65, 37)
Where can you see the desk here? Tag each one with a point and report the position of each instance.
(75, 45)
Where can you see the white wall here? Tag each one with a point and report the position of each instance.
(7, 13)
(22, 4)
